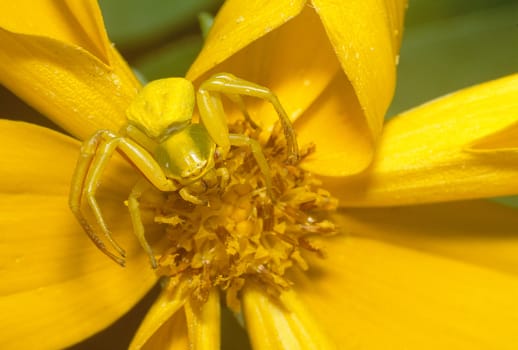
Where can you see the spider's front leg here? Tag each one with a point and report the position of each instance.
(94, 157)
(213, 116)
(255, 147)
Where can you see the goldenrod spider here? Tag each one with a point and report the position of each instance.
(170, 150)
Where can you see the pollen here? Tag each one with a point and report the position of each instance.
(240, 232)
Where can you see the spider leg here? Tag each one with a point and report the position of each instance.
(95, 155)
(257, 151)
(238, 100)
(136, 218)
(189, 197)
(213, 117)
(84, 162)
(100, 159)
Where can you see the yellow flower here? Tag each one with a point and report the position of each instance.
(398, 276)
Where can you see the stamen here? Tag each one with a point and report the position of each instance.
(241, 233)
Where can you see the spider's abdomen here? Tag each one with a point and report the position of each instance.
(186, 155)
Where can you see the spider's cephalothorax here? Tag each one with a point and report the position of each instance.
(171, 151)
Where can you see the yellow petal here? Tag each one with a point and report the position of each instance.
(175, 321)
(427, 154)
(281, 325)
(237, 25)
(297, 52)
(68, 72)
(479, 232)
(203, 321)
(374, 295)
(77, 23)
(172, 335)
(164, 326)
(366, 36)
(275, 58)
(57, 288)
(504, 140)
(335, 120)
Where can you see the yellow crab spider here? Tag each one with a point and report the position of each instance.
(170, 151)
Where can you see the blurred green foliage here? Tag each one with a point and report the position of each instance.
(424, 11)
(170, 60)
(159, 38)
(135, 23)
(449, 45)
(206, 21)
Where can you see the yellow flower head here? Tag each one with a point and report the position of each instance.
(301, 270)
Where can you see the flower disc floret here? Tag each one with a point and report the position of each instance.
(241, 232)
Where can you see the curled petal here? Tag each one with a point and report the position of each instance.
(298, 49)
(177, 321)
(61, 62)
(277, 59)
(334, 117)
(284, 324)
(172, 335)
(444, 150)
(366, 36)
(165, 325)
(237, 25)
(76, 23)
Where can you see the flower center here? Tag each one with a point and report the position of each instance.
(239, 231)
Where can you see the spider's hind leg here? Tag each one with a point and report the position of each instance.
(213, 117)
